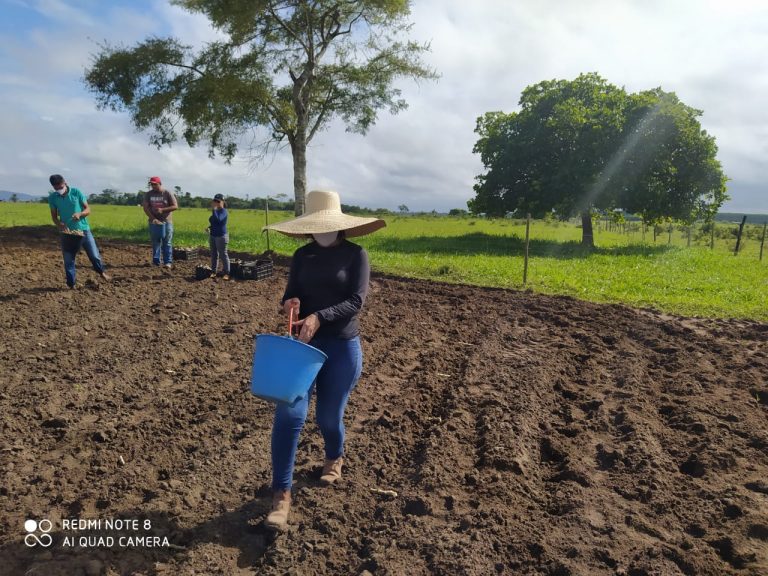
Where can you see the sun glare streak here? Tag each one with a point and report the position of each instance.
(618, 159)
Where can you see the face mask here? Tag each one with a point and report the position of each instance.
(62, 191)
(326, 239)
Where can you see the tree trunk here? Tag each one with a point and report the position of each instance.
(299, 151)
(300, 99)
(587, 238)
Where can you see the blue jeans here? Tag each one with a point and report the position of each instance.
(162, 236)
(333, 385)
(70, 246)
(218, 246)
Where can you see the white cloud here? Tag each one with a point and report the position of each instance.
(62, 12)
(15, 80)
(709, 52)
(193, 28)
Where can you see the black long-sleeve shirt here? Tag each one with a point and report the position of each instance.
(332, 283)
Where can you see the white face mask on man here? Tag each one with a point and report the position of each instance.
(326, 239)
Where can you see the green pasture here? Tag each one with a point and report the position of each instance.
(624, 268)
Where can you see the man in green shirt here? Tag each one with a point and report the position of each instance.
(69, 212)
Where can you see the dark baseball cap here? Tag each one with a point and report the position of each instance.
(219, 197)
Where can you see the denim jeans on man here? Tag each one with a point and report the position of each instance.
(162, 236)
(70, 246)
(333, 385)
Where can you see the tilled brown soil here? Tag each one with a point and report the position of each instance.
(522, 434)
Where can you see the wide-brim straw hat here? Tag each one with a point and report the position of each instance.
(323, 214)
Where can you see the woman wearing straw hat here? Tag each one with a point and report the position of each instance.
(327, 286)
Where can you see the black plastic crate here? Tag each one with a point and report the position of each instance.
(202, 272)
(256, 270)
(234, 267)
(185, 253)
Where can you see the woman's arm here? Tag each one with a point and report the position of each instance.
(361, 275)
(292, 288)
(220, 214)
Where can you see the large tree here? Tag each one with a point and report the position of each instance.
(286, 67)
(583, 145)
(668, 167)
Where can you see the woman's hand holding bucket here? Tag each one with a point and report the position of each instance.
(292, 304)
(306, 327)
(309, 326)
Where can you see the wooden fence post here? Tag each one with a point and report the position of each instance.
(738, 236)
(712, 236)
(266, 220)
(527, 239)
(762, 240)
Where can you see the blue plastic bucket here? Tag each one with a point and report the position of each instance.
(283, 368)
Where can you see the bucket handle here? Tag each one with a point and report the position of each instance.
(290, 322)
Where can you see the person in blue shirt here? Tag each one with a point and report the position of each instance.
(219, 237)
(326, 290)
(69, 212)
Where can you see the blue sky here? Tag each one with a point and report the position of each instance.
(711, 53)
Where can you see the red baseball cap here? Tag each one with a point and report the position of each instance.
(155, 180)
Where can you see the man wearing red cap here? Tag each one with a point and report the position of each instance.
(158, 205)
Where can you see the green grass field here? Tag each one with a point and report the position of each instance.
(624, 268)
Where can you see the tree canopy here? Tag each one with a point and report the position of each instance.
(585, 144)
(285, 66)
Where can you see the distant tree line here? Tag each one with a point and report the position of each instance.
(115, 197)
(736, 217)
(280, 202)
(187, 200)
